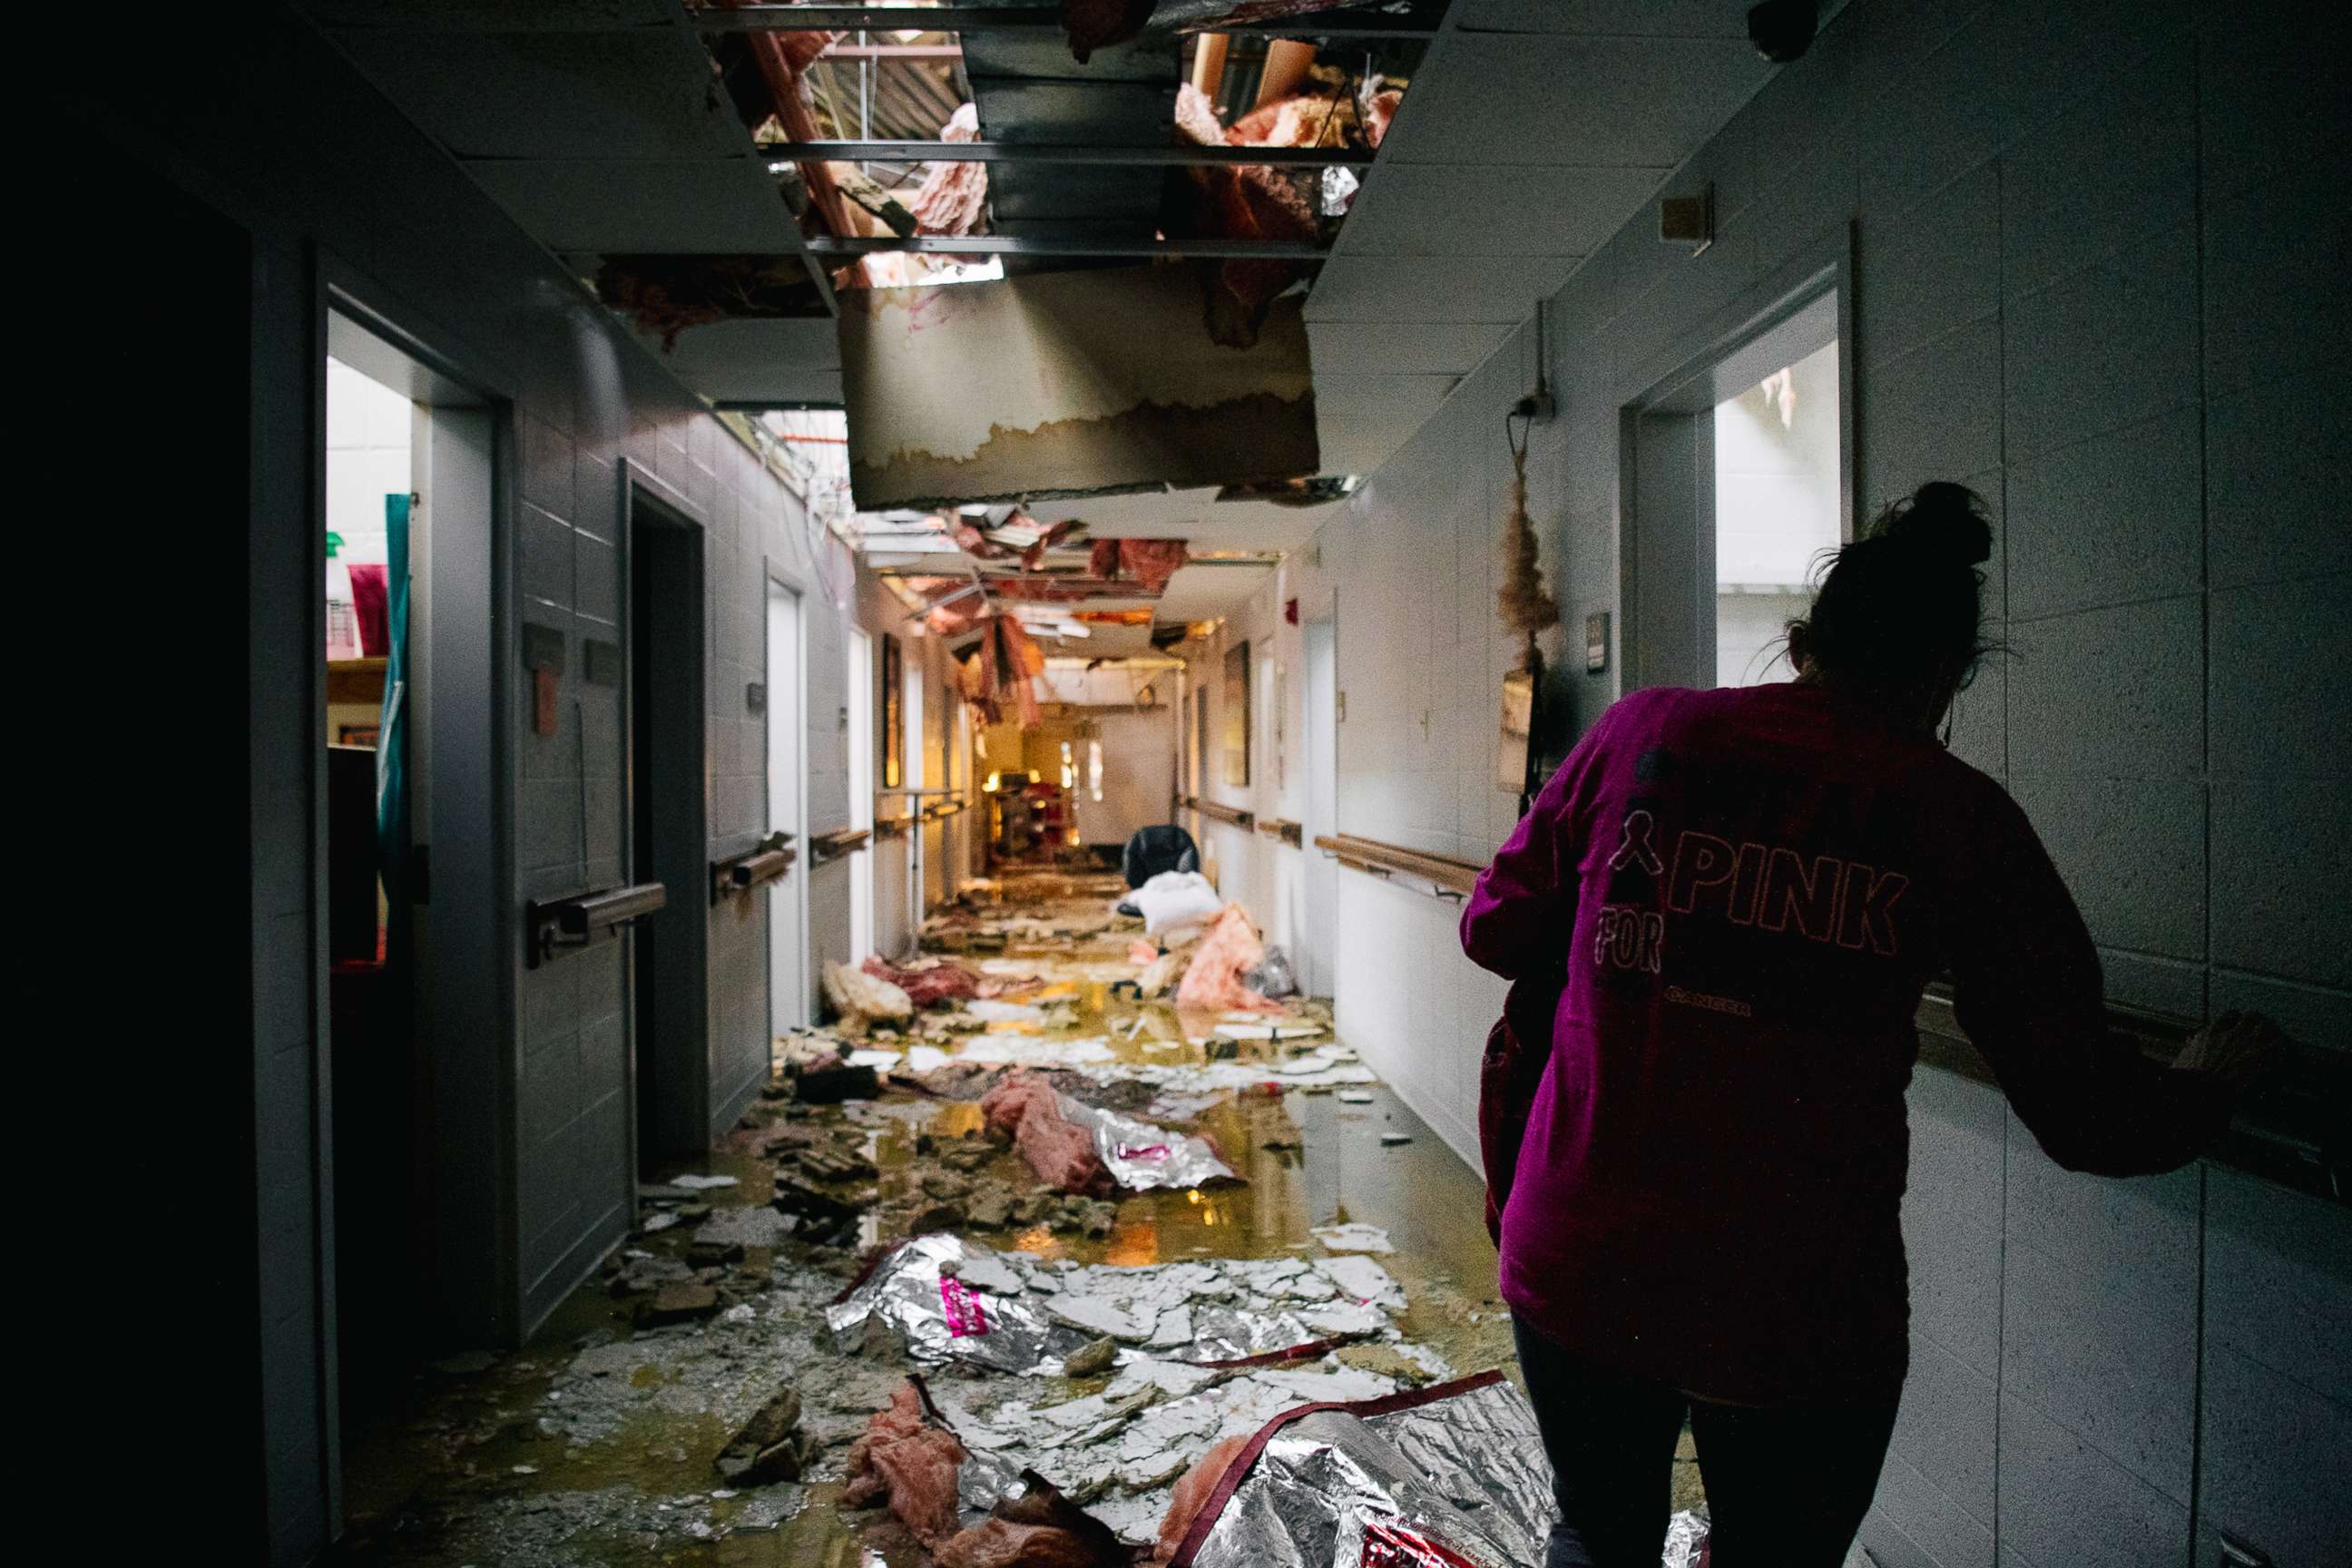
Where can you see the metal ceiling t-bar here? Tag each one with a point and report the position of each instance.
(1020, 18)
(883, 152)
(1021, 244)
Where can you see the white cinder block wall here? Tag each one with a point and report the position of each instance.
(2097, 278)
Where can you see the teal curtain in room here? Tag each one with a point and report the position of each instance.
(391, 759)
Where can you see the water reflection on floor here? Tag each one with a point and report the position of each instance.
(470, 1473)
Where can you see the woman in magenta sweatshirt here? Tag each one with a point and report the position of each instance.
(1747, 890)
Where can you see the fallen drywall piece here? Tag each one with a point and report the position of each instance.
(1065, 381)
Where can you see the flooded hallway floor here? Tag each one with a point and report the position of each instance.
(600, 1441)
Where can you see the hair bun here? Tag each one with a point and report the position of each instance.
(1946, 521)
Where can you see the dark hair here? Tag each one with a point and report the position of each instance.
(1900, 609)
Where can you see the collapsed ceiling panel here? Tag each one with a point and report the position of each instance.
(1204, 593)
(1092, 380)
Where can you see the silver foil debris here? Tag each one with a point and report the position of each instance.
(1142, 1157)
(1016, 1313)
(1452, 1477)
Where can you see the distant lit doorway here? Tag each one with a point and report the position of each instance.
(1775, 512)
(1741, 465)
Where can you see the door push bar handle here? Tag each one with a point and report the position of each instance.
(576, 920)
(755, 867)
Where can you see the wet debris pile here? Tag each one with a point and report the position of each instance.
(1191, 1353)
(771, 1445)
(998, 1409)
(1087, 1148)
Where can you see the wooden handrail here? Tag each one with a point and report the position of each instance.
(1218, 811)
(892, 826)
(764, 862)
(2290, 1130)
(1449, 877)
(1282, 827)
(827, 847)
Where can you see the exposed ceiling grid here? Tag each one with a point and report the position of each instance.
(1532, 131)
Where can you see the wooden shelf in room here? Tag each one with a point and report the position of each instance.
(355, 680)
(1282, 827)
(1442, 872)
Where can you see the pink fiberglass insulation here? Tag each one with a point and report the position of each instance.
(954, 197)
(932, 983)
(1193, 1491)
(999, 1544)
(912, 1463)
(1057, 1150)
(1231, 950)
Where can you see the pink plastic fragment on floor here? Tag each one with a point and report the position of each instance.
(1388, 1544)
(961, 1303)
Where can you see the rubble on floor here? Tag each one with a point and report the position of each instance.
(1089, 1307)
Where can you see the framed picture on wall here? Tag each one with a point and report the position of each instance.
(894, 709)
(1237, 714)
(1518, 733)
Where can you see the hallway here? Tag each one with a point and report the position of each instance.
(599, 1439)
(1728, 615)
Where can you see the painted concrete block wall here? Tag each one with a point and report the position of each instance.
(1406, 570)
(335, 184)
(574, 1186)
(2092, 280)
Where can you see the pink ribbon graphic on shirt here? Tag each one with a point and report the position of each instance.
(1636, 846)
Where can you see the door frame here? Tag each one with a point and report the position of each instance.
(689, 972)
(858, 711)
(1665, 627)
(779, 575)
(1321, 938)
(475, 922)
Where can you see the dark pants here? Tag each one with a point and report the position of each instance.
(1786, 1488)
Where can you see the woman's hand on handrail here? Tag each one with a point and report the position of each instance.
(2238, 1048)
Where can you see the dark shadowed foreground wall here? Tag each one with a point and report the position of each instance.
(243, 173)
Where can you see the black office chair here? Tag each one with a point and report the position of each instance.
(1166, 847)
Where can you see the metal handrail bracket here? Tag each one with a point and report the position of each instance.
(577, 920)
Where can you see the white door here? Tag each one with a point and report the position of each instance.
(788, 895)
(917, 781)
(1322, 805)
(861, 792)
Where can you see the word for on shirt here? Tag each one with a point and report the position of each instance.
(1823, 898)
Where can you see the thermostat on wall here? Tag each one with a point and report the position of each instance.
(1596, 643)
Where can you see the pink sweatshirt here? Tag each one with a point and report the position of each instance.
(1749, 888)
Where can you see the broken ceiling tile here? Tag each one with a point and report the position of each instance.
(1067, 381)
